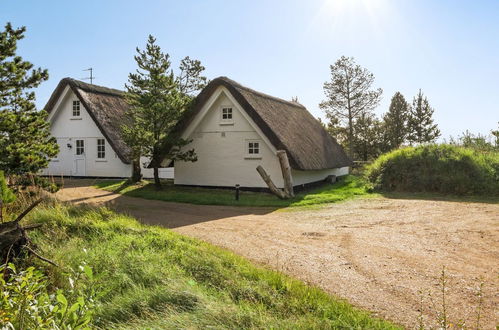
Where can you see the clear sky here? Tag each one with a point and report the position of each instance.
(448, 48)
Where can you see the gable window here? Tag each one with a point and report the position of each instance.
(76, 108)
(80, 147)
(253, 148)
(101, 148)
(226, 114)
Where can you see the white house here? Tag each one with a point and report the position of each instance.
(86, 119)
(234, 129)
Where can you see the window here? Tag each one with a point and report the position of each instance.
(76, 108)
(80, 147)
(101, 148)
(253, 148)
(227, 114)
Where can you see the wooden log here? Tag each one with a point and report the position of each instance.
(286, 173)
(276, 191)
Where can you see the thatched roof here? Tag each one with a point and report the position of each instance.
(106, 106)
(288, 126)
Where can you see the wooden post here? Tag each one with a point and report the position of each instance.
(276, 191)
(286, 173)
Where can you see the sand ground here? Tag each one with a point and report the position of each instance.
(380, 254)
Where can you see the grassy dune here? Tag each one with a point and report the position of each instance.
(151, 277)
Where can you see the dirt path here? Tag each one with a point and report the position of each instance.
(376, 253)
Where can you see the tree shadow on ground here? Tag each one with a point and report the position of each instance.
(151, 211)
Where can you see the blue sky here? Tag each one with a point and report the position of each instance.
(449, 49)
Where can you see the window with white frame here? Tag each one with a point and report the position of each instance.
(253, 148)
(76, 108)
(226, 114)
(80, 147)
(101, 148)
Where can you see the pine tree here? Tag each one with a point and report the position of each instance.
(25, 142)
(349, 94)
(395, 122)
(420, 126)
(368, 135)
(157, 100)
(495, 134)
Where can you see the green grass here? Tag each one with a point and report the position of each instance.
(346, 188)
(151, 277)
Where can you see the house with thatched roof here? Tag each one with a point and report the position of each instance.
(86, 121)
(234, 129)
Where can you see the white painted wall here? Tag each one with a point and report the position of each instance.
(67, 129)
(222, 160)
(303, 177)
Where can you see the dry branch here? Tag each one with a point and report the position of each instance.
(286, 173)
(276, 191)
(13, 238)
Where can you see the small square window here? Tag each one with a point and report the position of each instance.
(76, 108)
(101, 148)
(227, 114)
(253, 148)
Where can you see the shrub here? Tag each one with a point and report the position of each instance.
(26, 302)
(436, 168)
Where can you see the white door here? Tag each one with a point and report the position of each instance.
(79, 158)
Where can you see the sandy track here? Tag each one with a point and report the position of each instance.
(376, 253)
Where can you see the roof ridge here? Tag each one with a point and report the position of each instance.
(94, 88)
(261, 94)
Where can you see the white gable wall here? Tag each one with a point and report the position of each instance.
(223, 161)
(67, 129)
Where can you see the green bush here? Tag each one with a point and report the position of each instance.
(436, 168)
(27, 303)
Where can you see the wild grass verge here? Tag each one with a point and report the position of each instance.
(152, 277)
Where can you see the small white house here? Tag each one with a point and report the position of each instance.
(86, 119)
(234, 129)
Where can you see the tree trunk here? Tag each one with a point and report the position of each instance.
(136, 171)
(350, 135)
(276, 191)
(157, 182)
(286, 173)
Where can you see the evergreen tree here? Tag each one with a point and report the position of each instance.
(337, 131)
(420, 126)
(395, 122)
(495, 134)
(349, 94)
(157, 100)
(368, 135)
(25, 142)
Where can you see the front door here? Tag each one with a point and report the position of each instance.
(79, 158)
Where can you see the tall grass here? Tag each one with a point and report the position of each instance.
(151, 277)
(436, 168)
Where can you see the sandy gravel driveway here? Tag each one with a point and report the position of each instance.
(377, 253)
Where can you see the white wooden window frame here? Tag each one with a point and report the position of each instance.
(76, 109)
(227, 111)
(253, 149)
(101, 149)
(79, 149)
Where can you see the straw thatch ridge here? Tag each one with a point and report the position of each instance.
(106, 106)
(288, 126)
